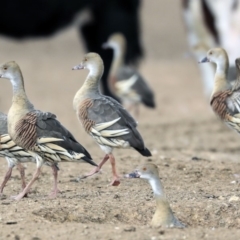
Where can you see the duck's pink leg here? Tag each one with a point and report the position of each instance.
(98, 168)
(22, 174)
(116, 178)
(26, 189)
(5, 180)
(55, 190)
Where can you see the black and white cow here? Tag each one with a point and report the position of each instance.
(22, 19)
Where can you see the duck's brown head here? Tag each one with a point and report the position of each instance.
(8, 70)
(146, 171)
(216, 55)
(91, 61)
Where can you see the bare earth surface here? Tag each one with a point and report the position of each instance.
(198, 157)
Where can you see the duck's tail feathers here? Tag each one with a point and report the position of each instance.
(149, 102)
(145, 152)
(89, 160)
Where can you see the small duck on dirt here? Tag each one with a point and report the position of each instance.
(163, 216)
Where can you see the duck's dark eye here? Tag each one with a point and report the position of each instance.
(5, 68)
(210, 53)
(144, 169)
(85, 59)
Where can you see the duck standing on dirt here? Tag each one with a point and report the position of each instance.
(125, 82)
(38, 132)
(163, 217)
(103, 118)
(225, 100)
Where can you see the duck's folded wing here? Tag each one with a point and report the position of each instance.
(26, 131)
(43, 128)
(130, 79)
(233, 102)
(227, 105)
(3, 123)
(109, 123)
(49, 126)
(233, 114)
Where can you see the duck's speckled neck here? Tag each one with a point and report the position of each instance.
(20, 103)
(221, 82)
(157, 187)
(118, 58)
(163, 216)
(91, 85)
(19, 95)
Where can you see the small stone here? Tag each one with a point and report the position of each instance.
(233, 199)
(130, 229)
(161, 232)
(181, 167)
(11, 222)
(211, 196)
(196, 158)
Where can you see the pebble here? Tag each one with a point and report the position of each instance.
(233, 199)
(161, 232)
(130, 229)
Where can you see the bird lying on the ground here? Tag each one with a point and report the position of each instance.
(163, 217)
(125, 82)
(40, 133)
(103, 118)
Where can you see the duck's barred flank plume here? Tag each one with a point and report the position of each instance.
(83, 114)
(218, 103)
(26, 132)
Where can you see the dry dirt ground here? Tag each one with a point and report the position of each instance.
(198, 157)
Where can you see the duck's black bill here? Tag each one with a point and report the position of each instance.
(204, 60)
(132, 175)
